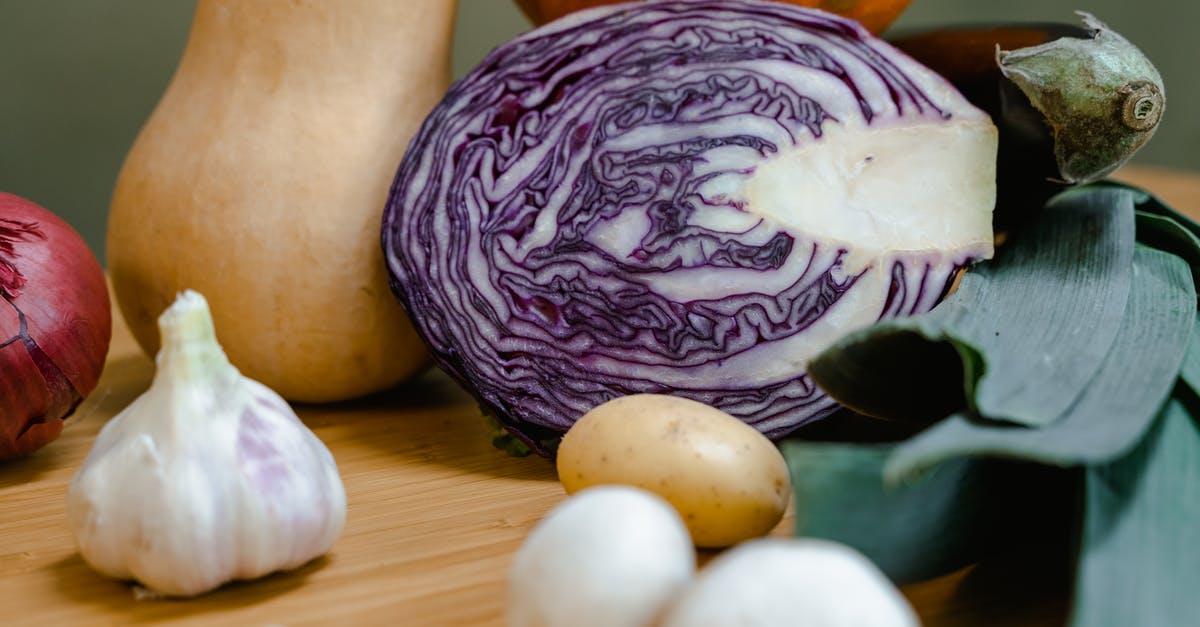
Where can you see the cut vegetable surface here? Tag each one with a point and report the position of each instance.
(683, 197)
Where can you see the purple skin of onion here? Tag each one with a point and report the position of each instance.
(672, 198)
(55, 325)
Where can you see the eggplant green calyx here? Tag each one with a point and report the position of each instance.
(1102, 97)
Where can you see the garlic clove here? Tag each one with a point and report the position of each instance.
(207, 477)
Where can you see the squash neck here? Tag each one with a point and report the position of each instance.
(358, 36)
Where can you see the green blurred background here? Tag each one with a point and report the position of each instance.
(78, 78)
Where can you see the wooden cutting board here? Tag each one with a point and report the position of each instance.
(435, 515)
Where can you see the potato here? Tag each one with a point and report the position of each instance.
(728, 481)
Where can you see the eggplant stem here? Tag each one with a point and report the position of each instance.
(1142, 105)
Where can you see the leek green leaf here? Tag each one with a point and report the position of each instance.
(959, 513)
(1168, 234)
(1145, 202)
(920, 530)
(1117, 405)
(895, 371)
(1123, 425)
(1030, 327)
(1189, 372)
(1138, 562)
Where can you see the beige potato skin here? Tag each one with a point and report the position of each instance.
(260, 178)
(728, 481)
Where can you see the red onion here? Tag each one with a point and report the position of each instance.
(55, 324)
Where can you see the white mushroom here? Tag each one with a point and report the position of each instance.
(608, 556)
(780, 582)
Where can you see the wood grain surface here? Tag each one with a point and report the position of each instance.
(435, 515)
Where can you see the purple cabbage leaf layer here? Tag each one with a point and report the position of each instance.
(689, 198)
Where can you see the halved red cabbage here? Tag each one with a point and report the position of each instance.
(681, 197)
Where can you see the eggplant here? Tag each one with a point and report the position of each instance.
(1072, 102)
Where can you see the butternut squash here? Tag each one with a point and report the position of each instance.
(259, 181)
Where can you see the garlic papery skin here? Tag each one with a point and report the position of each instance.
(206, 478)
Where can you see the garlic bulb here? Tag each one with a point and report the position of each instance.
(205, 478)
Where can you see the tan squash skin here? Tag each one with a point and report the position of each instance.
(260, 178)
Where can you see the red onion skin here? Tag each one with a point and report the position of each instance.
(50, 278)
